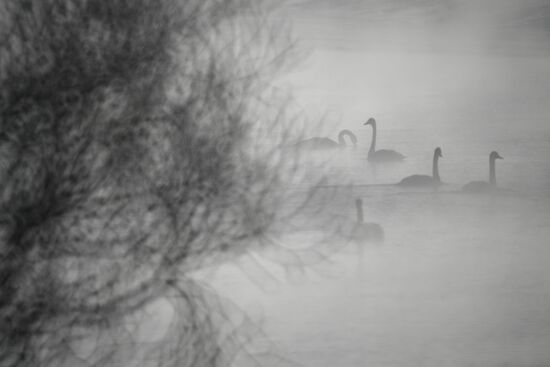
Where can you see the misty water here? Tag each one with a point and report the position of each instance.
(461, 279)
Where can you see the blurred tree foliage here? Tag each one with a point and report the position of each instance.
(130, 157)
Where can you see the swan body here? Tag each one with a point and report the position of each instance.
(385, 155)
(366, 232)
(382, 155)
(484, 186)
(319, 143)
(425, 180)
(420, 181)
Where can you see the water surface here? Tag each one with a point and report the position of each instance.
(461, 280)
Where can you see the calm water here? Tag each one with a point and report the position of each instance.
(461, 280)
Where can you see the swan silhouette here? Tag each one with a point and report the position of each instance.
(362, 231)
(484, 186)
(425, 180)
(382, 155)
(318, 143)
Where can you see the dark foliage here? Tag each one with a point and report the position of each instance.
(126, 163)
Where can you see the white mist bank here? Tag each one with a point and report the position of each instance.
(509, 26)
(442, 62)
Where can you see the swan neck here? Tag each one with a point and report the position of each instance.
(342, 138)
(435, 168)
(359, 207)
(373, 141)
(492, 172)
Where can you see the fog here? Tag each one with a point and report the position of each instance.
(406, 59)
(181, 186)
(460, 279)
(505, 26)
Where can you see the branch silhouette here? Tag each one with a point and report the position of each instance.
(130, 157)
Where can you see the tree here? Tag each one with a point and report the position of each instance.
(128, 160)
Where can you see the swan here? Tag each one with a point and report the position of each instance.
(425, 180)
(366, 231)
(382, 155)
(326, 143)
(484, 186)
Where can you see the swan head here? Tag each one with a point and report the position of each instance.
(370, 121)
(437, 152)
(494, 155)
